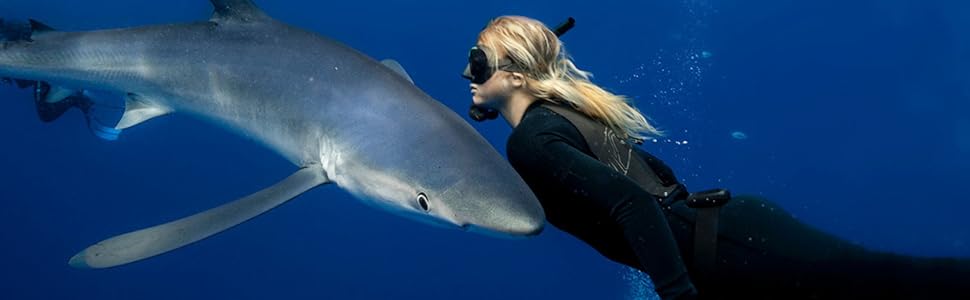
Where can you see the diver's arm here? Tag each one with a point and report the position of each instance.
(547, 158)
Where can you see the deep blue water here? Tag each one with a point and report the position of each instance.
(853, 115)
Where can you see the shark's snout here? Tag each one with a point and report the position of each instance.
(506, 215)
(528, 227)
(521, 226)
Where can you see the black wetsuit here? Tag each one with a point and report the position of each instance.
(763, 252)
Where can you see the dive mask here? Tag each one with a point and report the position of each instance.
(478, 71)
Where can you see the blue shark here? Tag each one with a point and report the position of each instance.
(339, 116)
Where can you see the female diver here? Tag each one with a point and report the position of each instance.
(519, 69)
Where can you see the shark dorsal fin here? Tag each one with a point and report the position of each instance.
(236, 10)
(397, 68)
(38, 27)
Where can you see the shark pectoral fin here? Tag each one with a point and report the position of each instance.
(139, 109)
(396, 66)
(159, 239)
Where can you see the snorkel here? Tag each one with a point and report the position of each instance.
(478, 71)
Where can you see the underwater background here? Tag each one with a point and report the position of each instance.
(853, 115)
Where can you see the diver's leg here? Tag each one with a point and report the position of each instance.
(603, 192)
(765, 253)
(635, 233)
(645, 228)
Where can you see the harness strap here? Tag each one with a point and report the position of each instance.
(705, 241)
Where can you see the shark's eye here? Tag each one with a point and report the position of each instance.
(423, 202)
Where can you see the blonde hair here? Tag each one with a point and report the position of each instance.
(551, 75)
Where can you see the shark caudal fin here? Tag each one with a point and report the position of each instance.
(51, 101)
